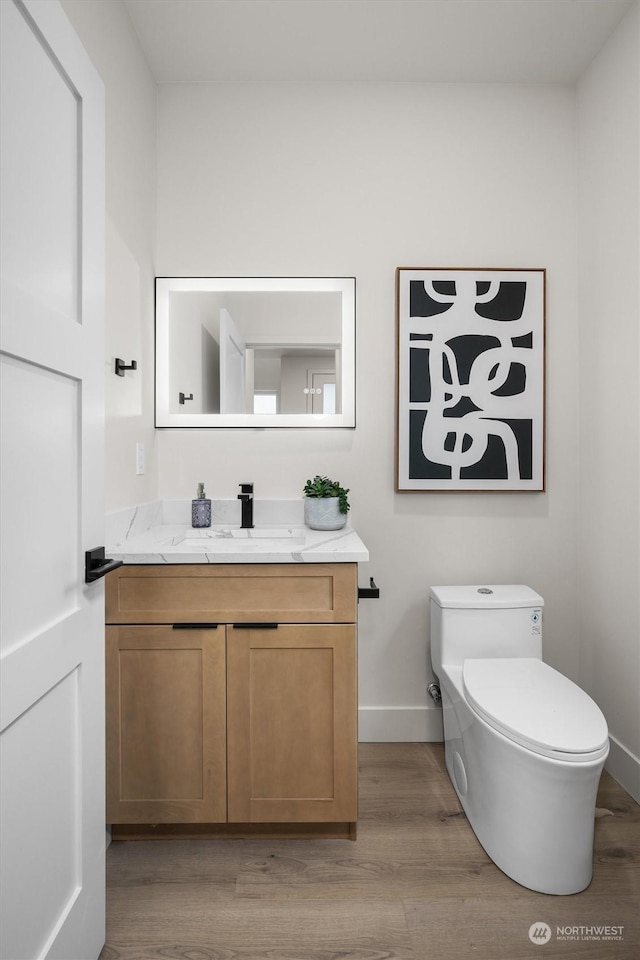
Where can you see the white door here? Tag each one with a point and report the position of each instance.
(232, 366)
(323, 391)
(51, 422)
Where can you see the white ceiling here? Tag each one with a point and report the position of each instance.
(493, 41)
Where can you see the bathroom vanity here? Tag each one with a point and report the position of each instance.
(232, 684)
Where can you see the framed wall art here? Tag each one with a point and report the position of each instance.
(470, 379)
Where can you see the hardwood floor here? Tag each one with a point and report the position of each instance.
(416, 885)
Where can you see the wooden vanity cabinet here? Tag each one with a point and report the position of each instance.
(232, 695)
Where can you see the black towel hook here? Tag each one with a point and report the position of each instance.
(121, 366)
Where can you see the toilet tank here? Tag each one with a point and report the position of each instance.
(480, 621)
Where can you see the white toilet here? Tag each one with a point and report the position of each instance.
(524, 745)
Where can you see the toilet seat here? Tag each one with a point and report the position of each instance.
(532, 704)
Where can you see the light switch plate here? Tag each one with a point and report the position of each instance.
(139, 459)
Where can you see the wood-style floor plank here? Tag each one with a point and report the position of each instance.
(416, 885)
(491, 929)
(191, 927)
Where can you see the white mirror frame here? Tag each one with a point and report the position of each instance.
(344, 285)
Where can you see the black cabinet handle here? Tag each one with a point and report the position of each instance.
(255, 626)
(196, 626)
(96, 565)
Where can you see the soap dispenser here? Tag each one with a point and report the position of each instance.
(201, 509)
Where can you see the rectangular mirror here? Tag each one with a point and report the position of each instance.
(255, 351)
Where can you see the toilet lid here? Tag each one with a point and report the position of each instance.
(531, 703)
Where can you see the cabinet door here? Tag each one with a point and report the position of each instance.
(292, 723)
(166, 719)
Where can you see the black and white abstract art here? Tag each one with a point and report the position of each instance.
(470, 381)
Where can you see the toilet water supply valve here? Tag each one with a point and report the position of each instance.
(434, 692)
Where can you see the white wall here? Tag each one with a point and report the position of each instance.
(105, 30)
(608, 111)
(358, 179)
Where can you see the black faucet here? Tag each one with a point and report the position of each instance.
(246, 499)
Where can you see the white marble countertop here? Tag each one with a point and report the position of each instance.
(161, 533)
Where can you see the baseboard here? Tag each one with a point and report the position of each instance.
(624, 767)
(424, 724)
(400, 724)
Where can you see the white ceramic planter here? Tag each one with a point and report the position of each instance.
(323, 513)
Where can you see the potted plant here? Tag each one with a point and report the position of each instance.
(326, 504)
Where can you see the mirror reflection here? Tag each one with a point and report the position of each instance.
(255, 351)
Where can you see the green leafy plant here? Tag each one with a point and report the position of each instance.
(323, 487)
